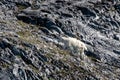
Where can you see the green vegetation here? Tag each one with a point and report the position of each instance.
(60, 51)
(24, 33)
(21, 23)
(33, 68)
(21, 7)
(4, 65)
(28, 37)
(28, 26)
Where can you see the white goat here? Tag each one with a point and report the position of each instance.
(75, 44)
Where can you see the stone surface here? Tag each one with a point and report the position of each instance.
(31, 47)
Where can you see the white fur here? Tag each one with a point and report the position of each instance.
(76, 44)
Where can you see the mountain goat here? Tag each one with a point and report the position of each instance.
(75, 45)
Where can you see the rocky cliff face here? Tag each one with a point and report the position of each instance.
(31, 44)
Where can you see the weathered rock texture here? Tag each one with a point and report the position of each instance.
(31, 46)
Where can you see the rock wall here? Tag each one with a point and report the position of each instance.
(30, 38)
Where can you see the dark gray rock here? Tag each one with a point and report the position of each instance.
(30, 34)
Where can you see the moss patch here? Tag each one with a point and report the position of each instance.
(21, 23)
(21, 7)
(27, 36)
(4, 65)
(33, 68)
